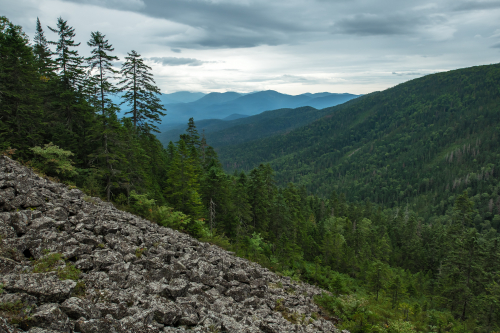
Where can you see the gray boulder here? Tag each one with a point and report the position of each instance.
(47, 287)
(49, 316)
(76, 308)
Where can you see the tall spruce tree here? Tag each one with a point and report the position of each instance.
(20, 104)
(182, 188)
(69, 65)
(68, 61)
(42, 53)
(101, 67)
(141, 93)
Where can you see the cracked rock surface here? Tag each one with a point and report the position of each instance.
(136, 276)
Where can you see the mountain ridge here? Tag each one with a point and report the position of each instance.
(366, 138)
(248, 104)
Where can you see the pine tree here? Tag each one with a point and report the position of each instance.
(262, 191)
(397, 289)
(21, 114)
(100, 63)
(193, 138)
(70, 69)
(42, 53)
(241, 208)
(141, 93)
(68, 62)
(462, 274)
(101, 60)
(182, 188)
(378, 276)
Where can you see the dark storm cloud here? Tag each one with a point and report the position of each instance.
(496, 46)
(176, 50)
(173, 61)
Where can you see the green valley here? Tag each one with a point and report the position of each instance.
(420, 142)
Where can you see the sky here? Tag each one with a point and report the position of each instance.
(291, 46)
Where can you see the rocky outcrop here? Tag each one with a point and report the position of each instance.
(131, 275)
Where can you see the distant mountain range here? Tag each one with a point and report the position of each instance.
(181, 97)
(223, 132)
(222, 105)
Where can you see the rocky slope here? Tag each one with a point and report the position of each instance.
(72, 263)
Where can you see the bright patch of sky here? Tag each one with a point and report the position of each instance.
(292, 46)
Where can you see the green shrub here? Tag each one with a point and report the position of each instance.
(166, 217)
(141, 205)
(400, 326)
(51, 158)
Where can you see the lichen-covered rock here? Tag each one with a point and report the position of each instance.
(76, 308)
(104, 325)
(135, 276)
(51, 317)
(47, 287)
(177, 287)
(25, 299)
(42, 330)
(166, 313)
(7, 265)
(5, 327)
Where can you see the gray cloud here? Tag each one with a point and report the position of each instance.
(385, 24)
(476, 5)
(251, 23)
(173, 61)
(121, 4)
(223, 24)
(304, 39)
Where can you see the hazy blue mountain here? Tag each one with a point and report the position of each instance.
(216, 98)
(220, 133)
(315, 95)
(166, 99)
(235, 116)
(181, 97)
(219, 106)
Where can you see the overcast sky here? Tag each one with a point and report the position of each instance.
(292, 46)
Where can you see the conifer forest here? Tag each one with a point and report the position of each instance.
(391, 201)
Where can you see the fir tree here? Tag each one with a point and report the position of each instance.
(141, 93)
(21, 114)
(70, 69)
(101, 63)
(193, 138)
(101, 60)
(42, 53)
(68, 62)
(182, 188)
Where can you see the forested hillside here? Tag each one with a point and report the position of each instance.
(390, 265)
(229, 132)
(420, 142)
